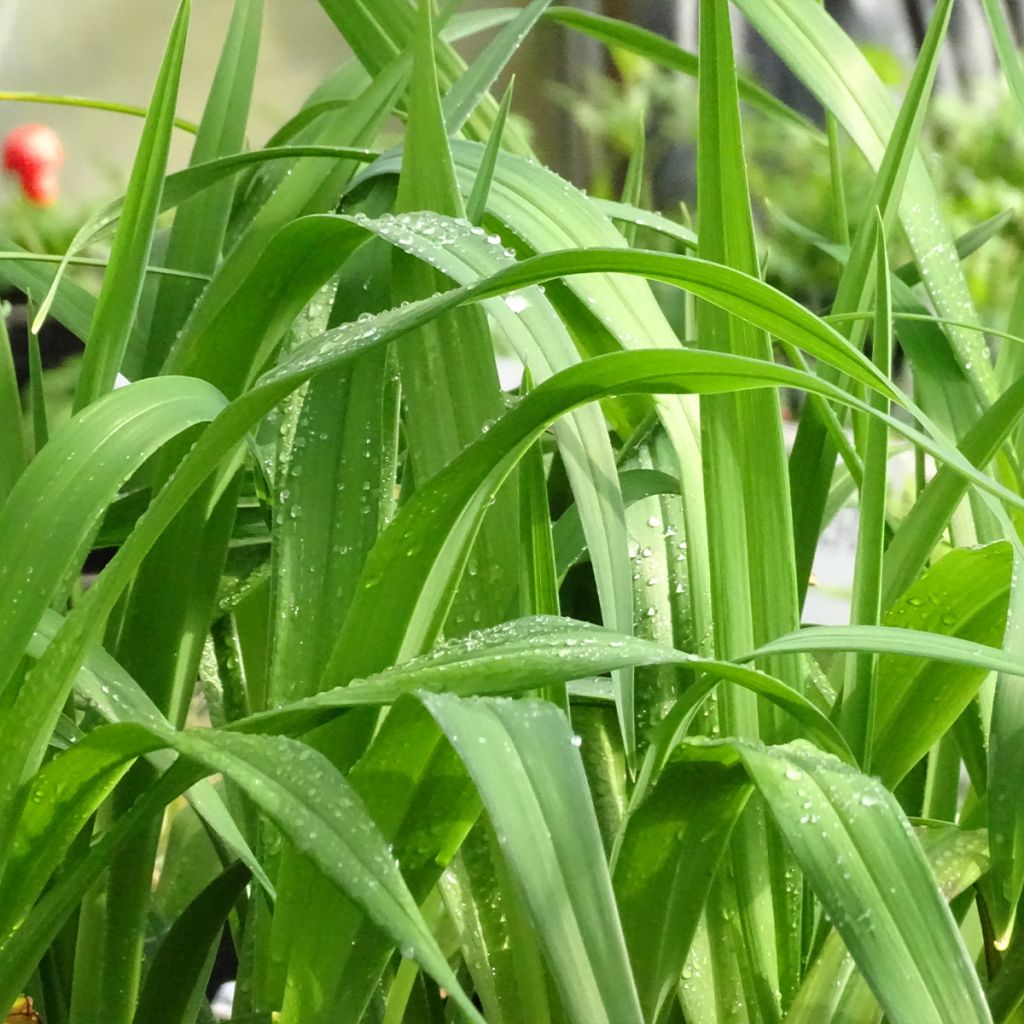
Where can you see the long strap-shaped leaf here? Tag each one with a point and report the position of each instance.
(858, 852)
(749, 521)
(828, 62)
(671, 849)
(51, 514)
(1006, 811)
(312, 804)
(833, 990)
(963, 595)
(122, 285)
(197, 236)
(522, 758)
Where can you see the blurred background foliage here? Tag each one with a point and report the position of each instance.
(972, 143)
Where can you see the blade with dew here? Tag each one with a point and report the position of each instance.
(523, 761)
(829, 64)
(832, 988)
(1006, 814)
(449, 399)
(750, 532)
(859, 854)
(539, 651)
(964, 594)
(671, 848)
(313, 805)
(495, 933)
(334, 494)
(64, 656)
(813, 454)
(541, 340)
(1006, 762)
(859, 694)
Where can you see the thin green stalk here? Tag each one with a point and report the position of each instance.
(89, 103)
(857, 716)
(12, 451)
(37, 394)
(840, 216)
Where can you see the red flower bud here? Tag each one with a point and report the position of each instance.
(35, 154)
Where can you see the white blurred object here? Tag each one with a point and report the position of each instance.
(121, 381)
(510, 373)
(223, 1001)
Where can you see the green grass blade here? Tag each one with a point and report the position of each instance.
(197, 236)
(312, 186)
(378, 30)
(334, 494)
(567, 532)
(813, 455)
(859, 854)
(539, 651)
(476, 203)
(1006, 49)
(1006, 761)
(540, 339)
(671, 849)
(119, 698)
(538, 580)
(37, 394)
(718, 284)
(183, 186)
(833, 990)
(750, 532)
(89, 103)
(52, 513)
(921, 530)
(424, 805)
(495, 933)
(908, 643)
(659, 552)
(632, 187)
(21, 951)
(305, 796)
(965, 595)
(449, 400)
(177, 977)
(104, 445)
(73, 305)
(122, 285)
(69, 789)
(829, 64)
(524, 763)
(13, 453)
(1006, 816)
(463, 97)
(857, 713)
